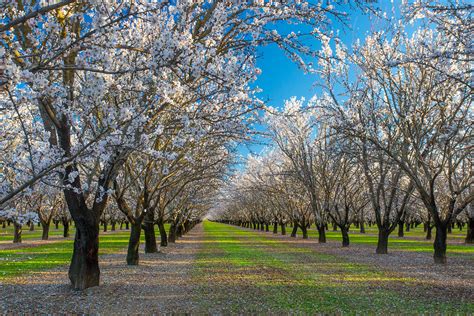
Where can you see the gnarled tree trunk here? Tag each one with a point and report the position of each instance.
(45, 234)
(163, 235)
(84, 269)
(134, 243)
(283, 228)
(295, 229)
(400, 229)
(470, 231)
(345, 236)
(172, 233)
(149, 228)
(439, 244)
(382, 242)
(321, 233)
(304, 231)
(17, 233)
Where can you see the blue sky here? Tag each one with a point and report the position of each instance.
(281, 78)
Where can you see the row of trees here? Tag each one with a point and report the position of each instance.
(134, 105)
(389, 140)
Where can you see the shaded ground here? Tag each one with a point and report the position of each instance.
(221, 269)
(160, 284)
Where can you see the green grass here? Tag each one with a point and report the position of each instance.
(6, 234)
(14, 262)
(407, 243)
(254, 273)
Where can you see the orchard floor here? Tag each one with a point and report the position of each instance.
(221, 269)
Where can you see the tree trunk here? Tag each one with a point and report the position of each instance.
(304, 230)
(56, 225)
(429, 228)
(105, 226)
(4, 224)
(407, 227)
(17, 233)
(439, 244)
(345, 236)
(113, 226)
(65, 228)
(400, 229)
(283, 228)
(275, 227)
(134, 243)
(382, 242)
(45, 234)
(254, 225)
(450, 229)
(32, 226)
(295, 230)
(84, 270)
(150, 238)
(470, 231)
(121, 225)
(163, 235)
(127, 225)
(172, 233)
(179, 231)
(321, 233)
(267, 229)
(334, 227)
(362, 227)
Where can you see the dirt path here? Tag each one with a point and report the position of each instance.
(160, 284)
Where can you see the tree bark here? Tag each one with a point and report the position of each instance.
(275, 227)
(134, 243)
(345, 236)
(400, 229)
(65, 228)
(105, 226)
(113, 226)
(45, 234)
(56, 225)
(304, 230)
(149, 228)
(283, 228)
(382, 242)
(439, 244)
(127, 225)
(321, 233)
(179, 231)
(172, 233)
(32, 226)
(295, 230)
(17, 233)
(470, 231)
(84, 269)
(362, 227)
(267, 228)
(163, 235)
(429, 229)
